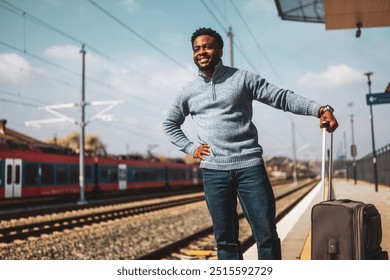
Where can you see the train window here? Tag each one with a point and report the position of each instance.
(146, 174)
(9, 174)
(179, 174)
(47, 174)
(162, 174)
(139, 175)
(136, 175)
(109, 172)
(31, 174)
(87, 171)
(153, 174)
(62, 174)
(74, 174)
(104, 171)
(113, 174)
(17, 174)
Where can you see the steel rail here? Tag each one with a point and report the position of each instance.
(8, 234)
(168, 249)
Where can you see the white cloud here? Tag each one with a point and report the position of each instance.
(63, 52)
(69, 56)
(333, 77)
(12, 68)
(130, 5)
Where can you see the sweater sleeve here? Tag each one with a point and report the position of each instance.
(276, 97)
(172, 126)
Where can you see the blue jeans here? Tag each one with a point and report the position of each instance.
(253, 189)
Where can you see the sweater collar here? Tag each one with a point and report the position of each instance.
(218, 71)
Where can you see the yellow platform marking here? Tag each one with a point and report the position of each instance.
(204, 253)
(306, 251)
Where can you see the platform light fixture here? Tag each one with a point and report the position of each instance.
(358, 31)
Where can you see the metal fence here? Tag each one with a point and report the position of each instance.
(365, 167)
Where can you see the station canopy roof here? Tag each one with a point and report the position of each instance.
(337, 14)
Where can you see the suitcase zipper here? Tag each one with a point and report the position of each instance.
(359, 232)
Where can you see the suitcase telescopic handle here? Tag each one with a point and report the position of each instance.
(324, 126)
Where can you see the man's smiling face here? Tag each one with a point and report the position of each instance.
(207, 53)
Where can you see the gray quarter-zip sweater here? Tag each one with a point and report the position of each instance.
(221, 108)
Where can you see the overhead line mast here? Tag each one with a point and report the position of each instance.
(82, 131)
(82, 123)
(368, 74)
(230, 35)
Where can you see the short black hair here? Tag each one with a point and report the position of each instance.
(207, 31)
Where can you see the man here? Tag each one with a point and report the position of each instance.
(220, 102)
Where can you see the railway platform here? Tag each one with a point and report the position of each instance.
(294, 228)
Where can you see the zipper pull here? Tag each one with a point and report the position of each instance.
(213, 90)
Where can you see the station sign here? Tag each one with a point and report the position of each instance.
(353, 150)
(387, 90)
(377, 98)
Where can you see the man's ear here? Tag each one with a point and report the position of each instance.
(220, 52)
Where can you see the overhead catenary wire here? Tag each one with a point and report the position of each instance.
(142, 38)
(37, 101)
(245, 56)
(55, 65)
(35, 105)
(19, 102)
(274, 137)
(214, 16)
(132, 131)
(25, 49)
(12, 8)
(220, 13)
(239, 46)
(60, 81)
(241, 50)
(41, 102)
(256, 41)
(39, 58)
(77, 74)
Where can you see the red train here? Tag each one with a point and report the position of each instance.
(28, 172)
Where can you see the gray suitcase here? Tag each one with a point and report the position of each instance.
(344, 229)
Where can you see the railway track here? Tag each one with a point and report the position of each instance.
(82, 235)
(25, 207)
(201, 244)
(26, 229)
(42, 206)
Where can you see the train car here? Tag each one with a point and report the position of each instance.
(129, 174)
(30, 172)
(183, 175)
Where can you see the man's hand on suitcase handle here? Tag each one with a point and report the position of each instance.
(328, 121)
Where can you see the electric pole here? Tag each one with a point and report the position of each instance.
(353, 151)
(230, 35)
(82, 132)
(82, 123)
(368, 74)
(294, 155)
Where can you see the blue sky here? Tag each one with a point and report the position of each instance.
(39, 66)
